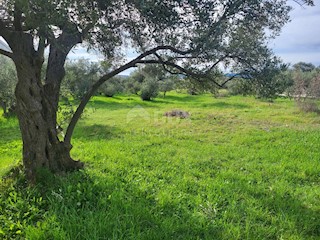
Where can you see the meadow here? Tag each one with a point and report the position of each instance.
(238, 168)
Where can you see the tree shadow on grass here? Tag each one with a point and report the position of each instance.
(96, 132)
(106, 204)
(83, 206)
(182, 99)
(112, 206)
(114, 106)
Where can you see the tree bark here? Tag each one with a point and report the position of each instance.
(36, 111)
(36, 114)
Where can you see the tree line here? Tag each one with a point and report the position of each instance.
(300, 81)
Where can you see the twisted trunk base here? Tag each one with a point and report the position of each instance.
(37, 114)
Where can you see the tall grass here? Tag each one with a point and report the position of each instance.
(238, 168)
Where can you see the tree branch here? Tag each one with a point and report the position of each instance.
(228, 80)
(76, 116)
(42, 46)
(3, 30)
(17, 22)
(6, 53)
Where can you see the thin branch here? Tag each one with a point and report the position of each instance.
(188, 72)
(6, 53)
(42, 46)
(93, 89)
(216, 63)
(228, 80)
(165, 67)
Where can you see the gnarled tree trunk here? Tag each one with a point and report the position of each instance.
(36, 109)
(37, 119)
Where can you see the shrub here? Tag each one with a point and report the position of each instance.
(240, 86)
(112, 87)
(149, 90)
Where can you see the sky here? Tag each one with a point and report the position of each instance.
(298, 41)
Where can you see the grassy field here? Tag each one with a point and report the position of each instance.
(238, 168)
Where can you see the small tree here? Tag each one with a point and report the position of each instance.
(149, 89)
(304, 67)
(153, 75)
(168, 84)
(112, 87)
(134, 82)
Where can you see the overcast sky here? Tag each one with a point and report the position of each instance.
(300, 38)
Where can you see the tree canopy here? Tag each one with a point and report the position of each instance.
(191, 33)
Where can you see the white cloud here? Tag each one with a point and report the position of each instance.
(300, 39)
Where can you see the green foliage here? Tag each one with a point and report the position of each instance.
(240, 86)
(304, 67)
(147, 81)
(267, 83)
(149, 89)
(112, 87)
(8, 80)
(168, 84)
(80, 76)
(134, 82)
(20, 206)
(195, 86)
(271, 80)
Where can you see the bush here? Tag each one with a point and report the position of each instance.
(112, 87)
(240, 86)
(149, 90)
(306, 90)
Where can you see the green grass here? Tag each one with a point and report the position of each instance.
(239, 168)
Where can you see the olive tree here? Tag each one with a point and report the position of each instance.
(184, 36)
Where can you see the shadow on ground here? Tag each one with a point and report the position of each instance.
(108, 205)
(96, 132)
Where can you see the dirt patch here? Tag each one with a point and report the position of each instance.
(177, 113)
